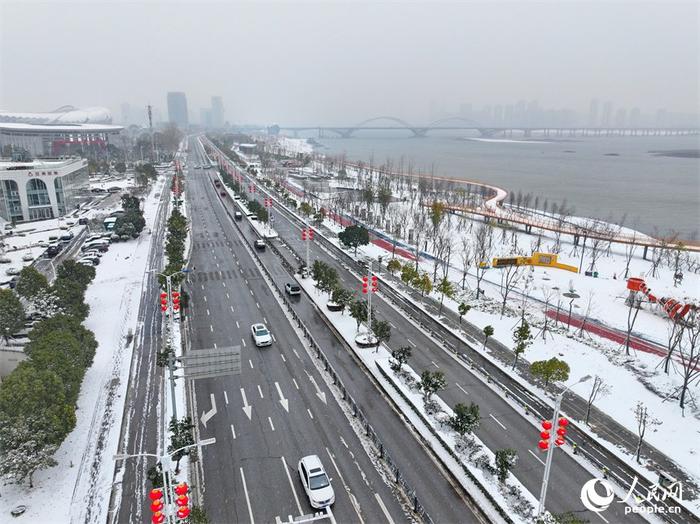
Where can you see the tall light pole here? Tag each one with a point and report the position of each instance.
(171, 355)
(550, 448)
(165, 464)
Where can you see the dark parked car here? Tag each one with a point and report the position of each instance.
(83, 221)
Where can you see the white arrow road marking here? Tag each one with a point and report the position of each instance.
(283, 401)
(247, 408)
(207, 415)
(320, 394)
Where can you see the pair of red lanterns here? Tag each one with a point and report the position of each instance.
(181, 501)
(268, 202)
(307, 233)
(366, 284)
(545, 434)
(251, 188)
(164, 301)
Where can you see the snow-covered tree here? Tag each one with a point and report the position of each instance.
(25, 449)
(644, 420)
(599, 388)
(689, 354)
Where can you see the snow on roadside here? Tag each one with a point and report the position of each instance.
(78, 488)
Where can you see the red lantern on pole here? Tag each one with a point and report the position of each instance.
(543, 444)
(163, 301)
(158, 517)
(364, 285)
(311, 234)
(155, 494)
(561, 432)
(182, 488)
(559, 441)
(563, 422)
(176, 300)
(544, 435)
(157, 505)
(375, 284)
(183, 513)
(182, 500)
(547, 425)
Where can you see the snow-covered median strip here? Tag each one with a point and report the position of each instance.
(498, 500)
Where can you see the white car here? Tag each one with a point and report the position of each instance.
(261, 335)
(12, 271)
(316, 482)
(27, 257)
(86, 262)
(292, 289)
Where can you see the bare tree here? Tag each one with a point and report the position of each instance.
(510, 275)
(547, 295)
(465, 255)
(482, 252)
(675, 335)
(587, 312)
(599, 388)
(689, 353)
(634, 305)
(644, 420)
(629, 253)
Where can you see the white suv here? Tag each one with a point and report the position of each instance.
(316, 482)
(261, 335)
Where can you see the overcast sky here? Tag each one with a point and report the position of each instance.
(332, 62)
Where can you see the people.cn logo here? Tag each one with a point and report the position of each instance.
(592, 499)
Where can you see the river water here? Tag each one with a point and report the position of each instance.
(599, 177)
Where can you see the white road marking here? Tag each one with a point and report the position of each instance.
(271, 424)
(463, 390)
(383, 507)
(283, 358)
(217, 264)
(247, 408)
(411, 342)
(243, 340)
(258, 305)
(283, 401)
(214, 345)
(251, 363)
(205, 298)
(536, 457)
(232, 310)
(246, 281)
(238, 325)
(211, 328)
(207, 415)
(309, 412)
(247, 499)
(434, 364)
(353, 500)
(265, 320)
(273, 338)
(233, 432)
(251, 292)
(497, 421)
(289, 478)
(260, 391)
(208, 312)
(202, 287)
(392, 325)
(295, 383)
(602, 517)
(297, 354)
(226, 397)
(227, 295)
(223, 284)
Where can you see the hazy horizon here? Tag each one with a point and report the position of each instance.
(333, 62)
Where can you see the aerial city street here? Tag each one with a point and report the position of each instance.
(349, 262)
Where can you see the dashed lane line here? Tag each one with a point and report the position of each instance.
(233, 432)
(463, 390)
(247, 499)
(226, 397)
(411, 342)
(536, 457)
(383, 508)
(309, 412)
(497, 421)
(289, 478)
(295, 383)
(260, 391)
(271, 424)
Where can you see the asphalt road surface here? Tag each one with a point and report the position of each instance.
(279, 408)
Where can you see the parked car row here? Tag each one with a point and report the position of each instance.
(93, 248)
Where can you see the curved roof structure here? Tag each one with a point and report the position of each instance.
(62, 115)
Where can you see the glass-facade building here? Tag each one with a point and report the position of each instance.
(42, 189)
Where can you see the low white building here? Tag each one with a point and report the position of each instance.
(42, 189)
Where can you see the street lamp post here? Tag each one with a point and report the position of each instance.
(550, 448)
(171, 356)
(165, 464)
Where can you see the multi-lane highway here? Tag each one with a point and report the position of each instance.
(279, 408)
(501, 426)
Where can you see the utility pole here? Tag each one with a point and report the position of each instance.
(153, 138)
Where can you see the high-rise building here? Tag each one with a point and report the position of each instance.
(606, 118)
(177, 109)
(593, 114)
(621, 117)
(635, 117)
(217, 111)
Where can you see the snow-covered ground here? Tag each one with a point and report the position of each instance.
(78, 488)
